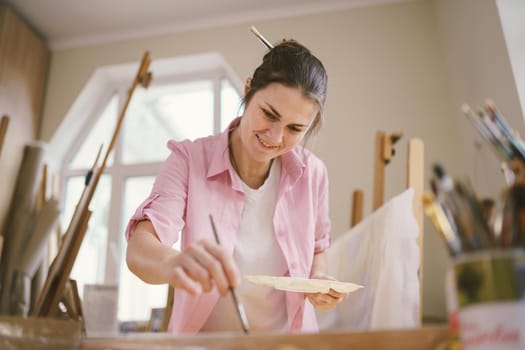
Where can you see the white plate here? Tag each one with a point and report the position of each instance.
(303, 285)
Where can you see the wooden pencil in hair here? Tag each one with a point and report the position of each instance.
(261, 38)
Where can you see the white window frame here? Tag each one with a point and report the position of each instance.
(120, 172)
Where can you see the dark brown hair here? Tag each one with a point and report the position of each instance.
(292, 64)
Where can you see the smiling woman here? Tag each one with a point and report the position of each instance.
(270, 198)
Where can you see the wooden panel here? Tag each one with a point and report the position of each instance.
(24, 60)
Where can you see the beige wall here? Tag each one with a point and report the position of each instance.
(478, 68)
(389, 68)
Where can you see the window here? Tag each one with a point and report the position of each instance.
(178, 108)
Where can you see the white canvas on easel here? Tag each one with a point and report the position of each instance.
(382, 252)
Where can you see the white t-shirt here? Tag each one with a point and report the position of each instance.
(256, 252)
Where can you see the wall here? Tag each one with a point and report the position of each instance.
(391, 67)
(478, 67)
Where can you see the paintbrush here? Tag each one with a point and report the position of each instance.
(501, 147)
(514, 140)
(444, 226)
(460, 199)
(513, 228)
(236, 300)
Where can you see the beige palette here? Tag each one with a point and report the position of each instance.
(302, 285)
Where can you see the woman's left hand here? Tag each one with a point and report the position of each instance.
(325, 301)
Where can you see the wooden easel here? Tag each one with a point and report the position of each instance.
(55, 285)
(384, 152)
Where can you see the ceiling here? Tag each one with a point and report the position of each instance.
(75, 23)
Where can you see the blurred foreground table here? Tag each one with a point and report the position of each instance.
(428, 337)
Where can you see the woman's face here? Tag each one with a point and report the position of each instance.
(275, 120)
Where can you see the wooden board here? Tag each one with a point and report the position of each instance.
(415, 180)
(430, 337)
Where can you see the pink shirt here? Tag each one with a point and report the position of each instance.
(197, 179)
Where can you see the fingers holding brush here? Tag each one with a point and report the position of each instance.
(207, 264)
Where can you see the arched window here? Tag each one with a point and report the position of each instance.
(178, 106)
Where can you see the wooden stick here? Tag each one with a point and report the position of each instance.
(71, 300)
(415, 180)
(357, 208)
(43, 305)
(143, 78)
(379, 171)
(57, 277)
(4, 123)
(168, 309)
(54, 288)
(67, 301)
(76, 299)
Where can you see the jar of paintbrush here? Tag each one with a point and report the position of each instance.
(485, 286)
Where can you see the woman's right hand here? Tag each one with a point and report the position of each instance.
(202, 265)
(198, 268)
